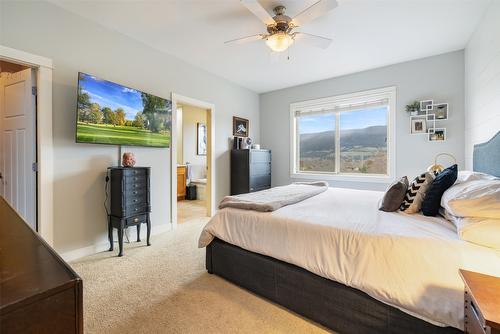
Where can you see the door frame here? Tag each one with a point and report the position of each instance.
(210, 108)
(44, 139)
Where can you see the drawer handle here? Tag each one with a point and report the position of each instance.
(136, 220)
(136, 209)
(135, 192)
(135, 178)
(135, 201)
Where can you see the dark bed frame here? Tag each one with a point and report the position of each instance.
(332, 304)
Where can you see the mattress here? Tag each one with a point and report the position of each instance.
(407, 261)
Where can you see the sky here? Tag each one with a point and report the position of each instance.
(114, 96)
(348, 120)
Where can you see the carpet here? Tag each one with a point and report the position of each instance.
(165, 288)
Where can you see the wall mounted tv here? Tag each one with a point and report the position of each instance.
(109, 113)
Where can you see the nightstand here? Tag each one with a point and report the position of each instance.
(481, 303)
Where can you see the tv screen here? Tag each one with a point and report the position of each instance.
(109, 113)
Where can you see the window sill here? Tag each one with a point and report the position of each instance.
(343, 177)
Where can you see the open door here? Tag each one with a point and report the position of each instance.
(18, 142)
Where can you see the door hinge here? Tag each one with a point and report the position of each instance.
(33, 90)
(34, 167)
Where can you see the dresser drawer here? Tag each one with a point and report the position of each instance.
(132, 209)
(261, 168)
(139, 219)
(260, 182)
(135, 185)
(135, 172)
(140, 198)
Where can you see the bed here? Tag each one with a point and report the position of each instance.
(350, 267)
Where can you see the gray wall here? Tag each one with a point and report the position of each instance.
(76, 44)
(440, 78)
(482, 81)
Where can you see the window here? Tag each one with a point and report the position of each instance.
(348, 136)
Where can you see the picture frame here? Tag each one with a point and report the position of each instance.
(439, 134)
(440, 111)
(418, 124)
(240, 127)
(201, 139)
(426, 105)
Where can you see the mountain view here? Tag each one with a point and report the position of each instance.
(361, 150)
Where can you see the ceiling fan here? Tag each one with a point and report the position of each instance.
(280, 35)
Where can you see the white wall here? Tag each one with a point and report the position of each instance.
(482, 81)
(191, 116)
(440, 78)
(76, 44)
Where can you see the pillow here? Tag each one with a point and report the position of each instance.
(480, 231)
(416, 193)
(444, 180)
(394, 195)
(473, 198)
(467, 175)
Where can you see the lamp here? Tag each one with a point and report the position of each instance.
(437, 168)
(279, 41)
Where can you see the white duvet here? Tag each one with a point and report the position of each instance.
(408, 261)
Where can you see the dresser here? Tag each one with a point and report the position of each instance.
(250, 171)
(481, 303)
(39, 292)
(129, 202)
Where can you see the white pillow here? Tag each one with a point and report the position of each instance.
(467, 175)
(480, 231)
(474, 196)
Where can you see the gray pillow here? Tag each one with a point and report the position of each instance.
(394, 195)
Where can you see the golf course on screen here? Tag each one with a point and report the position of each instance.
(109, 113)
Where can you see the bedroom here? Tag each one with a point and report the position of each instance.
(384, 55)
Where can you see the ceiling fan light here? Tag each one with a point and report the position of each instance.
(279, 41)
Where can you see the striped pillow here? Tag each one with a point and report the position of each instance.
(416, 193)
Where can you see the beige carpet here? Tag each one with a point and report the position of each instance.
(165, 289)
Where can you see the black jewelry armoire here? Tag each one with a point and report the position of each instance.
(130, 202)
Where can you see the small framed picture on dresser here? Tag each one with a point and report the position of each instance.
(240, 127)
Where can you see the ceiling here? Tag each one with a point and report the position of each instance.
(366, 34)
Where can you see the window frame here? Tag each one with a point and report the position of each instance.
(327, 103)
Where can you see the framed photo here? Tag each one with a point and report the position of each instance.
(240, 127)
(418, 124)
(438, 135)
(201, 139)
(440, 111)
(426, 105)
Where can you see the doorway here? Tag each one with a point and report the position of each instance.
(18, 164)
(192, 160)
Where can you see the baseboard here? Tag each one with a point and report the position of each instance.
(103, 246)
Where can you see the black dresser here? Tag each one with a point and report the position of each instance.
(129, 202)
(250, 171)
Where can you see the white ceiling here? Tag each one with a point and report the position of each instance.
(366, 34)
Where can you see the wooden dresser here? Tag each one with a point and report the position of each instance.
(250, 171)
(39, 292)
(481, 303)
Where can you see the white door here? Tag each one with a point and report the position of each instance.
(18, 143)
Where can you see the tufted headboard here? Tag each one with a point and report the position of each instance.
(486, 156)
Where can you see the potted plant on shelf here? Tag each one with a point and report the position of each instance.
(413, 108)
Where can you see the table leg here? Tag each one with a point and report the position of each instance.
(120, 239)
(138, 232)
(110, 234)
(148, 230)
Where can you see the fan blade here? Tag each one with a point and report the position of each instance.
(245, 39)
(314, 40)
(314, 11)
(255, 7)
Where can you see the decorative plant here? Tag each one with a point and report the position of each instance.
(414, 106)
